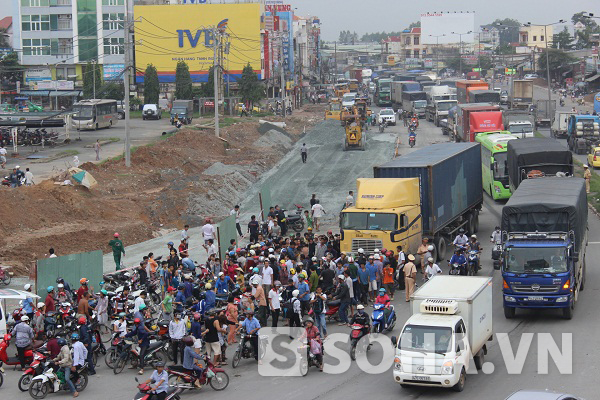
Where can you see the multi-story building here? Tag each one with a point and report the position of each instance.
(57, 37)
(407, 47)
(489, 36)
(536, 37)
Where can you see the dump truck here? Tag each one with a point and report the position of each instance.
(450, 324)
(398, 87)
(544, 230)
(438, 110)
(184, 110)
(475, 118)
(431, 192)
(560, 124)
(536, 158)
(415, 102)
(583, 133)
(465, 88)
(521, 94)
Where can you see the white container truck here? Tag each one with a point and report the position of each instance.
(451, 322)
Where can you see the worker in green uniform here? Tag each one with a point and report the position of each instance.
(117, 247)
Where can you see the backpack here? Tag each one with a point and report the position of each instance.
(318, 306)
(288, 306)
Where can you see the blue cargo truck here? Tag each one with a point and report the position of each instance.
(450, 188)
(544, 233)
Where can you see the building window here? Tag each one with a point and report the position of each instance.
(35, 3)
(63, 46)
(60, 22)
(407, 53)
(113, 2)
(416, 40)
(36, 47)
(113, 21)
(534, 38)
(114, 46)
(541, 38)
(407, 41)
(60, 2)
(35, 22)
(416, 53)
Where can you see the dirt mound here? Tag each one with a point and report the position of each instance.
(165, 187)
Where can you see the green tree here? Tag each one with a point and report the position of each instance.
(151, 85)
(183, 81)
(4, 39)
(10, 69)
(583, 36)
(251, 89)
(505, 49)
(562, 40)
(414, 25)
(557, 60)
(113, 90)
(485, 62)
(89, 80)
(454, 63)
(508, 30)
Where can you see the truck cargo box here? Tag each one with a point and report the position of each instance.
(450, 180)
(547, 205)
(546, 155)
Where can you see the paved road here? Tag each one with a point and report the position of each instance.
(331, 172)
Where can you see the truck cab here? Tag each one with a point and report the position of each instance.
(583, 132)
(451, 322)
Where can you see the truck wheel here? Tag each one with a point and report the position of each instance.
(437, 122)
(476, 223)
(460, 385)
(568, 312)
(479, 360)
(440, 247)
(582, 285)
(509, 312)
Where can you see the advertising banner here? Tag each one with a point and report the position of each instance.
(166, 34)
(38, 74)
(113, 72)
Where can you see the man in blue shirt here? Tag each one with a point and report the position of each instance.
(188, 264)
(179, 299)
(223, 283)
(210, 296)
(187, 287)
(363, 281)
(304, 295)
(159, 381)
(252, 327)
(143, 341)
(28, 305)
(189, 355)
(459, 258)
(372, 271)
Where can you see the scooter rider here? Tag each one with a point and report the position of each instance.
(188, 359)
(65, 362)
(475, 246)
(384, 299)
(461, 239)
(362, 318)
(160, 379)
(496, 237)
(459, 258)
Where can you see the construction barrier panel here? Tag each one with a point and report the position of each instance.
(225, 232)
(71, 268)
(264, 197)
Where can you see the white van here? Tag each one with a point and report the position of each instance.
(10, 294)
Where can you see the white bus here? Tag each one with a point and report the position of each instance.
(94, 114)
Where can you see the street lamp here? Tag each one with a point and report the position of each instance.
(460, 47)
(437, 49)
(562, 21)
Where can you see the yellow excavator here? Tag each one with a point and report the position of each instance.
(354, 137)
(341, 89)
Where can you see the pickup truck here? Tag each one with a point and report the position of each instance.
(450, 323)
(560, 124)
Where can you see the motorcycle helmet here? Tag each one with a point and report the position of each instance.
(430, 259)
(461, 231)
(61, 342)
(188, 340)
(116, 235)
(102, 283)
(197, 316)
(271, 250)
(252, 253)
(231, 253)
(262, 243)
(60, 286)
(74, 337)
(82, 320)
(473, 236)
(159, 364)
(208, 286)
(83, 281)
(122, 315)
(430, 248)
(309, 319)
(104, 292)
(255, 270)
(382, 291)
(137, 321)
(24, 318)
(41, 304)
(292, 271)
(295, 293)
(50, 289)
(360, 251)
(170, 244)
(60, 280)
(376, 251)
(27, 286)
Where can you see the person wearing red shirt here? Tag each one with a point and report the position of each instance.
(84, 288)
(50, 302)
(312, 333)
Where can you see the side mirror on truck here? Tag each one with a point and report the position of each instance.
(575, 256)
(394, 341)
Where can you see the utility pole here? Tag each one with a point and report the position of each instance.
(94, 77)
(335, 63)
(548, 67)
(281, 66)
(127, 44)
(216, 79)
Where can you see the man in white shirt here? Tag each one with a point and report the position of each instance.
(267, 275)
(185, 235)
(236, 212)
(28, 177)
(79, 351)
(139, 301)
(208, 231)
(350, 199)
(274, 304)
(432, 269)
(2, 157)
(317, 212)
(52, 253)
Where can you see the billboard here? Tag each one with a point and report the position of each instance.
(437, 27)
(283, 24)
(37, 74)
(166, 34)
(113, 72)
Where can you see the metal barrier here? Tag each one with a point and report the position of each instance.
(225, 232)
(264, 198)
(71, 268)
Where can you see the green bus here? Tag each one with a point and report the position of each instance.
(383, 93)
(494, 169)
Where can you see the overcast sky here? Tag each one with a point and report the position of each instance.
(365, 16)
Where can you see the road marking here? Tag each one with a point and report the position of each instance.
(593, 242)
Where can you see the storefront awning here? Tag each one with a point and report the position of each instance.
(34, 92)
(592, 78)
(65, 93)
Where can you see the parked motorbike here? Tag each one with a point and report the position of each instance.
(52, 380)
(36, 367)
(245, 349)
(380, 322)
(295, 220)
(357, 333)
(5, 276)
(182, 378)
(5, 359)
(155, 353)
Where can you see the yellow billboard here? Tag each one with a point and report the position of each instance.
(167, 34)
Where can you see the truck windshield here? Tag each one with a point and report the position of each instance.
(445, 106)
(520, 128)
(369, 221)
(420, 104)
(537, 260)
(500, 166)
(431, 339)
(179, 110)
